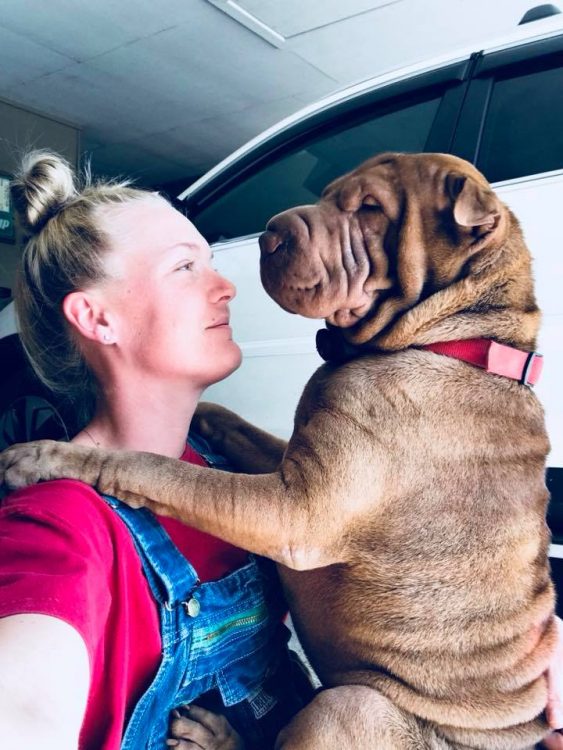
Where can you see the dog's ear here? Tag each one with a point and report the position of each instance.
(473, 204)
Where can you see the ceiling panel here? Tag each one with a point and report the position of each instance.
(171, 69)
(263, 115)
(200, 144)
(22, 59)
(128, 160)
(182, 148)
(84, 28)
(293, 17)
(89, 98)
(229, 56)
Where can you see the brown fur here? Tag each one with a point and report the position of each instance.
(407, 513)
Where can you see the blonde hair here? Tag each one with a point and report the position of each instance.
(65, 252)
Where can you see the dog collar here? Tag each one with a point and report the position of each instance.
(489, 355)
(334, 348)
(498, 359)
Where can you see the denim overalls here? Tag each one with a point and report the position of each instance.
(222, 641)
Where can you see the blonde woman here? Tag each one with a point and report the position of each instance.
(113, 619)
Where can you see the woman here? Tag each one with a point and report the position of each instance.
(111, 619)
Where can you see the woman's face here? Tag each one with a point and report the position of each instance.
(170, 307)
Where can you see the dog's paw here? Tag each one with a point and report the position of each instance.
(28, 463)
(194, 726)
(212, 422)
(24, 464)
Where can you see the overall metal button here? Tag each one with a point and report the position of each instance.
(192, 607)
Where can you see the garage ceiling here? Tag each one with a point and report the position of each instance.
(163, 89)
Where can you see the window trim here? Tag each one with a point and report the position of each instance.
(504, 60)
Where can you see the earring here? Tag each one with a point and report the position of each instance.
(107, 338)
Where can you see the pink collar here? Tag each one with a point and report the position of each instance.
(493, 357)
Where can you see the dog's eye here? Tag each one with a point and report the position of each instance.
(370, 203)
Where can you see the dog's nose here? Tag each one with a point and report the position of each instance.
(270, 242)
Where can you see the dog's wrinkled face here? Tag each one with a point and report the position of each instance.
(381, 239)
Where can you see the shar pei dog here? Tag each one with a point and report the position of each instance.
(407, 511)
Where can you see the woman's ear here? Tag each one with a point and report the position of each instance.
(87, 316)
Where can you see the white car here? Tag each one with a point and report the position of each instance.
(500, 107)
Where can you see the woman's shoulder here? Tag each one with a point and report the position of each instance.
(53, 496)
(61, 506)
(59, 544)
(55, 490)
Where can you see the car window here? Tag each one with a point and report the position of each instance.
(522, 132)
(299, 176)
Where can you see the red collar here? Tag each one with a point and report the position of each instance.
(493, 357)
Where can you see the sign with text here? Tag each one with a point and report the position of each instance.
(6, 213)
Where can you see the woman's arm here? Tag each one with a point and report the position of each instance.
(44, 682)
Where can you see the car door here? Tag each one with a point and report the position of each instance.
(415, 114)
(511, 127)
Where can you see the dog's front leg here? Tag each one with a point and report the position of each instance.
(276, 515)
(308, 513)
(302, 515)
(269, 514)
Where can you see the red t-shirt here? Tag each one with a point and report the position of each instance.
(64, 552)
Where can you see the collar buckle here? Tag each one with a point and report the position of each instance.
(532, 358)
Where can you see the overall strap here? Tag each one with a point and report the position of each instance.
(170, 575)
(201, 446)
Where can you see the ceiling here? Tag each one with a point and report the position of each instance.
(163, 89)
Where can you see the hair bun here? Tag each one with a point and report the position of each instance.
(43, 185)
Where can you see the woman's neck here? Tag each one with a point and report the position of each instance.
(151, 417)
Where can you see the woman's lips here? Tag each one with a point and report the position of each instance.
(222, 322)
(220, 327)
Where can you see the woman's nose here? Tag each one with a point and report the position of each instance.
(223, 289)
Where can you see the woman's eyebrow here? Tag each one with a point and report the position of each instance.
(182, 245)
(205, 250)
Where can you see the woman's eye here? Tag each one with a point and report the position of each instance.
(187, 266)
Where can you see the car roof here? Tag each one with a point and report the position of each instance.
(528, 33)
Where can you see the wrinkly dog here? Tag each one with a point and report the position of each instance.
(407, 510)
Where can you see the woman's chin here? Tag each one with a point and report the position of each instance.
(237, 358)
(227, 363)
